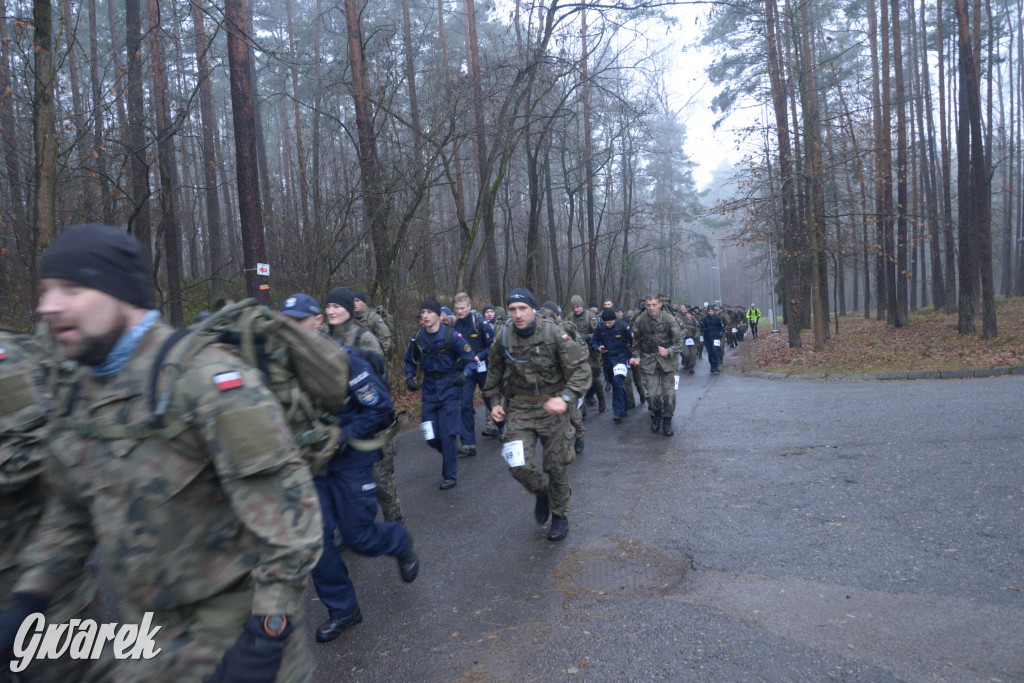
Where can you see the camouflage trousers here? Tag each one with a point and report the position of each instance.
(530, 423)
(689, 356)
(193, 645)
(637, 382)
(661, 392)
(576, 413)
(384, 475)
(596, 385)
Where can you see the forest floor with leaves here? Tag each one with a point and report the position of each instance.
(862, 347)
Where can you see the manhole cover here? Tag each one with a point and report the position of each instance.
(628, 570)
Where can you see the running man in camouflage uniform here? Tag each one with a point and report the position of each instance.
(577, 411)
(212, 523)
(544, 372)
(690, 331)
(24, 401)
(371, 320)
(656, 341)
(585, 322)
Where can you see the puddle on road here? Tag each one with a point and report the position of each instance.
(624, 570)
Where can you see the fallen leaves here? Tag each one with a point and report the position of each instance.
(929, 342)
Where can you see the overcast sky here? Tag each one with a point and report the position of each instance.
(692, 94)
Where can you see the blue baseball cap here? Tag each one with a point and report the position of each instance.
(300, 306)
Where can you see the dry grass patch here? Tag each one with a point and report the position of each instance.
(862, 347)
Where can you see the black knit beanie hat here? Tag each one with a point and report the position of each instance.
(608, 314)
(523, 296)
(431, 305)
(343, 297)
(104, 258)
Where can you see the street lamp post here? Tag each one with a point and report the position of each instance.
(719, 271)
(771, 284)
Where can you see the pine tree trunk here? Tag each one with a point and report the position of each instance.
(138, 168)
(485, 201)
(900, 314)
(250, 211)
(374, 196)
(168, 168)
(99, 154)
(947, 196)
(214, 228)
(788, 261)
(44, 218)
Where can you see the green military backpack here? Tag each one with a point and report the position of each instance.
(308, 373)
(390, 322)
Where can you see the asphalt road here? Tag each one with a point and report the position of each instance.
(789, 531)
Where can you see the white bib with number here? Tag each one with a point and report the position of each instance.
(579, 404)
(481, 366)
(428, 430)
(734, 330)
(677, 382)
(718, 342)
(513, 453)
(689, 341)
(702, 337)
(620, 370)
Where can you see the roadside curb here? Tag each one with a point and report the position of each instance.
(891, 376)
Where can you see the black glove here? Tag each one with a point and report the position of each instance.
(411, 385)
(256, 655)
(22, 606)
(459, 380)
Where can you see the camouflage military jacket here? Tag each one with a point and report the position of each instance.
(376, 325)
(547, 363)
(689, 329)
(348, 334)
(24, 399)
(227, 503)
(650, 333)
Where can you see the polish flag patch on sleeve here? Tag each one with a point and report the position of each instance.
(228, 380)
(565, 337)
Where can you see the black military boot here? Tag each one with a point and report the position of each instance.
(655, 422)
(666, 427)
(559, 528)
(408, 564)
(333, 628)
(578, 445)
(541, 511)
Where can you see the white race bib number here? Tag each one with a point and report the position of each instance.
(677, 382)
(620, 370)
(718, 342)
(689, 341)
(579, 404)
(428, 430)
(702, 337)
(734, 330)
(481, 366)
(513, 453)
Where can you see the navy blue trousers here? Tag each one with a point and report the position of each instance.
(348, 502)
(468, 410)
(714, 352)
(442, 405)
(618, 388)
